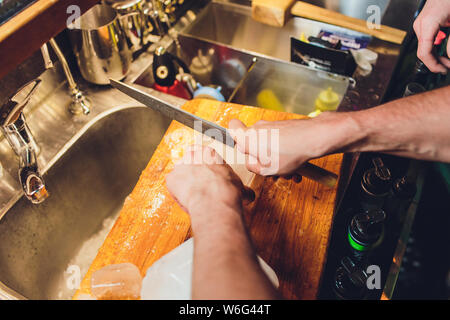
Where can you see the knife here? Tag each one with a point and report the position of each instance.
(307, 170)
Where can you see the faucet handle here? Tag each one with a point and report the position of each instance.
(10, 112)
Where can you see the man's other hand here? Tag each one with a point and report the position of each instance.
(435, 14)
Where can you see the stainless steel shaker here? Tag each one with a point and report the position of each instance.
(137, 23)
(100, 45)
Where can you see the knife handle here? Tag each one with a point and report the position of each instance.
(318, 174)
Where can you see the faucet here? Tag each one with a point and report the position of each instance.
(16, 131)
(80, 104)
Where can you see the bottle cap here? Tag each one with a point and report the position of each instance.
(328, 100)
(377, 181)
(350, 280)
(366, 229)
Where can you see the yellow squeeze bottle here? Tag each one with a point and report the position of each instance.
(328, 100)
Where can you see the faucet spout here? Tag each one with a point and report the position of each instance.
(33, 184)
(16, 131)
(80, 104)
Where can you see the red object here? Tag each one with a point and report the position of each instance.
(440, 38)
(177, 89)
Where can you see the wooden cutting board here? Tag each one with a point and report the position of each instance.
(290, 223)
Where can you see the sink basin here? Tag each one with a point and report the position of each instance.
(45, 249)
(232, 25)
(219, 45)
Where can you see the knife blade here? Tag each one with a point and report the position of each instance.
(307, 170)
(188, 119)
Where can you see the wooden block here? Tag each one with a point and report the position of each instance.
(309, 11)
(289, 223)
(271, 12)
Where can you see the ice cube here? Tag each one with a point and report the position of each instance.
(117, 282)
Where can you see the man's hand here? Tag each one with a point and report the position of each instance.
(204, 185)
(296, 142)
(225, 262)
(435, 14)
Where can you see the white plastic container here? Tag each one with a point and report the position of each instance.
(170, 278)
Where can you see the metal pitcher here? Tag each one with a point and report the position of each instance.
(138, 27)
(100, 45)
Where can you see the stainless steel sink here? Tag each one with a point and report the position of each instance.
(232, 25)
(91, 163)
(87, 185)
(272, 83)
(220, 44)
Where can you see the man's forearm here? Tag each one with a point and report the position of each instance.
(225, 264)
(417, 127)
